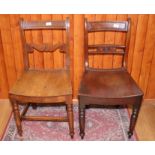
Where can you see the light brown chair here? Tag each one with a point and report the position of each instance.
(108, 86)
(43, 86)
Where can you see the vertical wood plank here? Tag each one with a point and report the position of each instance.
(3, 75)
(78, 51)
(109, 39)
(57, 37)
(150, 93)
(37, 38)
(91, 39)
(148, 58)
(99, 39)
(47, 38)
(17, 45)
(64, 37)
(134, 21)
(139, 46)
(8, 49)
(29, 39)
(119, 40)
(141, 59)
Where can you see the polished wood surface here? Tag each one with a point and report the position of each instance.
(3, 74)
(113, 86)
(109, 84)
(43, 83)
(43, 86)
(106, 26)
(145, 124)
(5, 113)
(140, 58)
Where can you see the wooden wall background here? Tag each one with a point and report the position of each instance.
(141, 60)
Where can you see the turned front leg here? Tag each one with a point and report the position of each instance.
(17, 116)
(70, 119)
(82, 120)
(134, 116)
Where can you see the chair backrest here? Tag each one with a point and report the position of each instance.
(63, 25)
(99, 26)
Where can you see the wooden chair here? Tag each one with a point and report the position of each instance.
(108, 86)
(43, 86)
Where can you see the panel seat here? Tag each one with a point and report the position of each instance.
(43, 84)
(109, 84)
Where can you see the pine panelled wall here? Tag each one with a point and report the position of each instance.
(141, 57)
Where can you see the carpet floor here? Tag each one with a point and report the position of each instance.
(102, 124)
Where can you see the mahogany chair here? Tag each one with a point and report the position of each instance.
(113, 86)
(40, 86)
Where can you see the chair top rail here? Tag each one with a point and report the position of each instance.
(30, 25)
(121, 26)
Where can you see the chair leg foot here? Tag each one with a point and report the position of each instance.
(82, 135)
(72, 135)
(130, 134)
(34, 106)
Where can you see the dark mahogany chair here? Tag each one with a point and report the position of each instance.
(108, 86)
(43, 86)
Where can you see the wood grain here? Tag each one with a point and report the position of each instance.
(38, 84)
(3, 75)
(57, 37)
(139, 46)
(91, 40)
(146, 116)
(148, 55)
(37, 38)
(119, 40)
(109, 39)
(99, 39)
(134, 22)
(5, 112)
(29, 38)
(150, 93)
(78, 51)
(9, 53)
(140, 58)
(17, 46)
(47, 38)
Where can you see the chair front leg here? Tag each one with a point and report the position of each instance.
(34, 106)
(17, 116)
(134, 116)
(70, 117)
(82, 119)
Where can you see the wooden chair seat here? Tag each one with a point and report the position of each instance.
(42, 83)
(109, 84)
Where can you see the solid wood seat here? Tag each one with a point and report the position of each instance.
(43, 83)
(52, 86)
(109, 84)
(113, 86)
